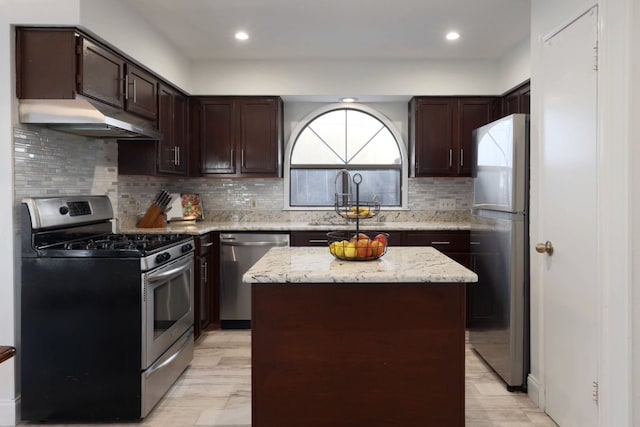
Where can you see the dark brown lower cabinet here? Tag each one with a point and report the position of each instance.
(319, 238)
(206, 289)
(373, 355)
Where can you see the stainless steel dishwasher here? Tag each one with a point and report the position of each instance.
(238, 252)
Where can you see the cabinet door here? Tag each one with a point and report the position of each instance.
(141, 93)
(46, 63)
(432, 140)
(217, 148)
(172, 117)
(102, 75)
(525, 99)
(180, 135)
(258, 136)
(472, 113)
(166, 146)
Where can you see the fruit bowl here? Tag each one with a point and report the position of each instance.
(353, 210)
(349, 246)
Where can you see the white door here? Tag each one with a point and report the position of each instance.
(568, 177)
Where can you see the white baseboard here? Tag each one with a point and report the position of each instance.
(534, 390)
(8, 412)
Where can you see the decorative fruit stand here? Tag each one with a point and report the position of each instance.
(347, 245)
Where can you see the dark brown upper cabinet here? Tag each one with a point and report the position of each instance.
(61, 63)
(141, 93)
(240, 136)
(440, 133)
(173, 154)
(517, 100)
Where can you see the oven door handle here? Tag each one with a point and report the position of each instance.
(186, 265)
(170, 359)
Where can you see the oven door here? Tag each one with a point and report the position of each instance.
(167, 307)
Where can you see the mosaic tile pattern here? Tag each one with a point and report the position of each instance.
(250, 195)
(50, 163)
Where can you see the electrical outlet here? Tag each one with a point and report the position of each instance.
(254, 204)
(447, 204)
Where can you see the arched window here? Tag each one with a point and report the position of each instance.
(335, 138)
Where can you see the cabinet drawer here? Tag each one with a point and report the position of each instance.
(319, 238)
(309, 238)
(204, 244)
(445, 241)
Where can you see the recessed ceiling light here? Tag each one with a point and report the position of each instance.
(348, 99)
(452, 35)
(241, 35)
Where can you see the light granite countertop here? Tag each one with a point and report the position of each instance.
(316, 265)
(204, 227)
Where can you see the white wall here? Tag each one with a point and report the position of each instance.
(342, 78)
(515, 67)
(127, 31)
(635, 213)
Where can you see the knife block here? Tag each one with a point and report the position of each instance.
(153, 218)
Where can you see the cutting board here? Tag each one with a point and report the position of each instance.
(185, 207)
(174, 211)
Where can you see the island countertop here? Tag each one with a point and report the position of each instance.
(316, 265)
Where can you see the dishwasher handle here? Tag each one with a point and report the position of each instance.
(258, 243)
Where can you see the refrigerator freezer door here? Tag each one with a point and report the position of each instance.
(498, 309)
(500, 169)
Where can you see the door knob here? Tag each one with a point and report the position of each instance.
(545, 247)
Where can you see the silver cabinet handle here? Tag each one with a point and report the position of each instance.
(232, 243)
(450, 157)
(126, 86)
(461, 157)
(178, 150)
(135, 92)
(441, 243)
(318, 241)
(206, 245)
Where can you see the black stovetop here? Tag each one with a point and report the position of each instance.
(111, 245)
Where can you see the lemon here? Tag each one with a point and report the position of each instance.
(350, 251)
(340, 248)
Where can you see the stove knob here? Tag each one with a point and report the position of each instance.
(165, 256)
(187, 247)
(64, 210)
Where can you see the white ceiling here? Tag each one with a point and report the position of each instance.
(339, 29)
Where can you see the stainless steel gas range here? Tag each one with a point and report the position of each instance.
(106, 319)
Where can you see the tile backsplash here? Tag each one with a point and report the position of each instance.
(50, 163)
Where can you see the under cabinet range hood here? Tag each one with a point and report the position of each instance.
(80, 116)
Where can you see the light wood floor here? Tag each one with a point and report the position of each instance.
(215, 391)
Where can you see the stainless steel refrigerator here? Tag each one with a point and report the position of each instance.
(498, 311)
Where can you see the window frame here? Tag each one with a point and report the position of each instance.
(302, 124)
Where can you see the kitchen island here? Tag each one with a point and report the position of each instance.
(344, 343)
